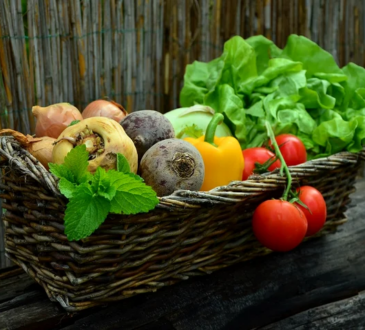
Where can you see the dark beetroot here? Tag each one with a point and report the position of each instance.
(145, 128)
(171, 165)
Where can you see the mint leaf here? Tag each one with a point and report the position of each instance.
(85, 212)
(61, 171)
(92, 197)
(77, 162)
(74, 168)
(102, 184)
(135, 176)
(122, 164)
(66, 187)
(132, 195)
(74, 122)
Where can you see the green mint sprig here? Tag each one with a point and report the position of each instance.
(93, 197)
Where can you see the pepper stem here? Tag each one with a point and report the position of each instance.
(283, 166)
(212, 126)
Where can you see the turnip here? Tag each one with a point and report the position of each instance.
(145, 128)
(172, 164)
(103, 137)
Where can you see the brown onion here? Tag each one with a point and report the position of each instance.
(52, 120)
(104, 108)
(41, 148)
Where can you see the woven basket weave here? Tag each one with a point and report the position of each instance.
(187, 234)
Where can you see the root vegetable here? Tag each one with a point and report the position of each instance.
(172, 164)
(41, 148)
(145, 128)
(52, 120)
(104, 108)
(104, 139)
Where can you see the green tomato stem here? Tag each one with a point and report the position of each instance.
(283, 166)
(212, 126)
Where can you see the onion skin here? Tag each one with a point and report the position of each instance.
(104, 108)
(115, 141)
(41, 148)
(52, 120)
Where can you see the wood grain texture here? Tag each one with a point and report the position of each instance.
(135, 52)
(315, 286)
(342, 314)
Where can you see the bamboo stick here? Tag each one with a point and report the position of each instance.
(113, 64)
(118, 53)
(268, 22)
(22, 65)
(3, 109)
(159, 10)
(46, 53)
(107, 51)
(74, 54)
(307, 6)
(64, 53)
(78, 46)
(131, 64)
(95, 12)
(56, 52)
(147, 59)
(356, 43)
(139, 95)
(260, 18)
(7, 68)
(28, 91)
(274, 20)
(88, 40)
(12, 47)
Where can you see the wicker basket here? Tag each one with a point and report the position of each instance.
(188, 233)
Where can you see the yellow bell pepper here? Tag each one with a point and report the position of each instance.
(222, 156)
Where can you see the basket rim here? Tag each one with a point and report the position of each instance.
(234, 192)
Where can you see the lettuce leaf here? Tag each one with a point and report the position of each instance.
(299, 89)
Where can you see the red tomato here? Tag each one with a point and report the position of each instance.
(292, 149)
(314, 200)
(279, 225)
(257, 155)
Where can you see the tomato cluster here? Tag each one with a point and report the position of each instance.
(291, 148)
(281, 226)
(278, 224)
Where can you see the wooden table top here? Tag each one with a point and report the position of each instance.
(319, 285)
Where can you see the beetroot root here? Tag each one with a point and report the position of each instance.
(172, 164)
(145, 128)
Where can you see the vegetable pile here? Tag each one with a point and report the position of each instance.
(299, 89)
(254, 109)
(109, 161)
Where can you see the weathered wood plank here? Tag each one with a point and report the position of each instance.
(38, 315)
(342, 314)
(14, 286)
(22, 299)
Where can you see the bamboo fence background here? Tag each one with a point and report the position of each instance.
(135, 52)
